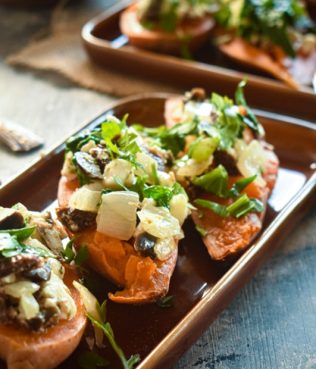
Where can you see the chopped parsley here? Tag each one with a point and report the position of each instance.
(78, 257)
(108, 332)
(91, 360)
(272, 20)
(166, 302)
(11, 246)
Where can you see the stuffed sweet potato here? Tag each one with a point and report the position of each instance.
(42, 316)
(165, 26)
(225, 165)
(277, 37)
(118, 197)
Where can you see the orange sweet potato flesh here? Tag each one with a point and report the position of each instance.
(23, 349)
(245, 53)
(229, 236)
(195, 30)
(143, 279)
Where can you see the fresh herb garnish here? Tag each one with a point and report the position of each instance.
(10, 246)
(216, 182)
(171, 138)
(201, 230)
(108, 332)
(21, 234)
(166, 302)
(248, 118)
(242, 206)
(75, 143)
(91, 360)
(69, 253)
(273, 20)
(202, 148)
(78, 257)
(154, 174)
(82, 255)
(229, 124)
(162, 194)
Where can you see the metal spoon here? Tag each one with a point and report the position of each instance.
(18, 138)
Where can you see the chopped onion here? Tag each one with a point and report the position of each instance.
(117, 214)
(203, 110)
(88, 146)
(21, 288)
(148, 164)
(69, 169)
(56, 296)
(90, 303)
(166, 179)
(192, 168)
(96, 185)
(120, 169)
(179, 207)
(85, 199)
(251, 159)
(164, 247)
(23, 291)
(28, 306)
(158, 222)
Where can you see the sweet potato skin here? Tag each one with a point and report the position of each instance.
(229, 236)
(226, 237)
(245, 53)
(22, 349)
(142, 279)
(196, 30)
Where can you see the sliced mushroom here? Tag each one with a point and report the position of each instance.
(10, 219)
(88, 165)
(19, 264)
(76, 220)
(196, 94)
(101, 156)
(40, 274)
(51, 238)
(227, 160)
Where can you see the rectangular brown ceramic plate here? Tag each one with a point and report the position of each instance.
(202, 288)
(107, 46)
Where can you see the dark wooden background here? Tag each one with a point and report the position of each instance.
(272, 322)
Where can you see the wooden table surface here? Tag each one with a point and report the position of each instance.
(272, 322)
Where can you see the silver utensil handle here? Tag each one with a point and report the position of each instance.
(18, 138)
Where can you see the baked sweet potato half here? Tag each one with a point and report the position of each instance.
(148, 29)
(276, 37)
(226, 166)
(143, 279)
(118, 197)
(42, 316)
(22, 349)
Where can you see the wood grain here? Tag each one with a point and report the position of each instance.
(272, 322)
